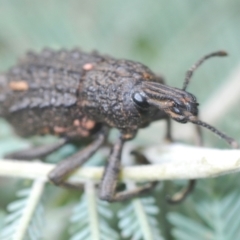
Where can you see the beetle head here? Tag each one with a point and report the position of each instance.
(176, 103)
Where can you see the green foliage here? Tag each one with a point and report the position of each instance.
(25, 218)
(90, 218)
(137, 219)
(219, 219)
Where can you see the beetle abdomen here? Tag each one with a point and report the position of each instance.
(40, 94)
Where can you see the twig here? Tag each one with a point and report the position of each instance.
(174, 161)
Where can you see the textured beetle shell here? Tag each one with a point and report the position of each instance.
(69, 92)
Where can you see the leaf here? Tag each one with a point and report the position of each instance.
(24, 220)
(220, 220)
(137, 219)
(90, 219)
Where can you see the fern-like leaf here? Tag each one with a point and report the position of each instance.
(24, 220)
(220, 220)
(89, 219)
(137, 220)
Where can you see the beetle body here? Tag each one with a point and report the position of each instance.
(73, 94)
(70, 93)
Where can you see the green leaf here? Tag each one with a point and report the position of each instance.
(137, 219)
(220, 220)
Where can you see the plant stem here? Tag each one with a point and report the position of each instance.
(33, 200)
(173, 161)
(92, 209)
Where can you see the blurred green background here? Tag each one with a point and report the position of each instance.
(168, 36)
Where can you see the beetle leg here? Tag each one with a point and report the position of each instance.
(68, 165)
(199, 136)
(169, 131)
(140, 158)
(182, 194)
(108, 184)
(36, 152)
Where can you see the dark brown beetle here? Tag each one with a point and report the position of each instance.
(75, 95)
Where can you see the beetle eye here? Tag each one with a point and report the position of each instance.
(140, 100)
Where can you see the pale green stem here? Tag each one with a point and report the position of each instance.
(31, 204)
(145, 227)
(91, 199)
(143, 220)
(173, 161)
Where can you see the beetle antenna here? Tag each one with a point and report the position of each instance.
(190, 72)
(228, 139)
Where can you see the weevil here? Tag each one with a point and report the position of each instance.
(76, 95)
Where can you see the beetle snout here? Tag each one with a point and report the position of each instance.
(183, 107)
(186, 109)
(190, 108)
(189, 104)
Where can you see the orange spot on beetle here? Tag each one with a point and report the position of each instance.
(76, 123)
(88, 124)
(19, 85)
(87, 66)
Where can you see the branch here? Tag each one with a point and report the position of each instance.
(173, 161)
